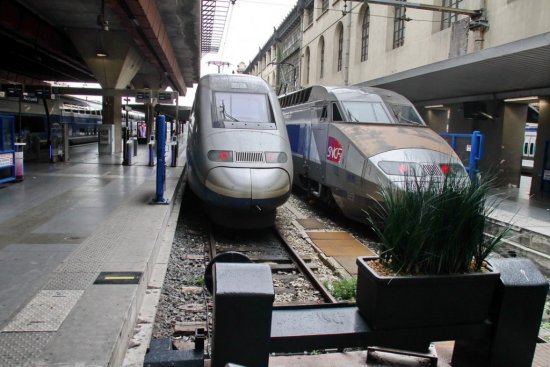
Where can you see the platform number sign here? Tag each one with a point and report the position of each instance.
(143, 96)
(166, 97)
(14, 90)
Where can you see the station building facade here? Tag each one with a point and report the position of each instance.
(480, 69)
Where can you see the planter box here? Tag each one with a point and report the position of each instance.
(399, 302)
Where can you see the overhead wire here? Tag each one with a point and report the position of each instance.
(353, 7)
(356, 13)
(263, 2)
(226, 34)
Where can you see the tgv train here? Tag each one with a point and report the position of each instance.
(81, 116)
(238, 151)
(349, 141)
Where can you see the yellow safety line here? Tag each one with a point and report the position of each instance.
(119, 277)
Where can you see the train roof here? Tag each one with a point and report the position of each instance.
(340, 93)
(235, 82)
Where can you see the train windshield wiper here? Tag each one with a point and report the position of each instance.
(352, 117)
(400, 117)
(225, 114)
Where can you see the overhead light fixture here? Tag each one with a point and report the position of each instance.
(101, 53)
(434, 106)
(486, 115)
(101, 20)
(522, 99)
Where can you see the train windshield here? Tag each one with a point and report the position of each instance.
(242, 110)
(405, 114)
(366, 112)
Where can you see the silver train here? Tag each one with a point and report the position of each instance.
(238, 151)
(349, 141)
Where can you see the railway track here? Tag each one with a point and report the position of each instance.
(186, 305)
(523, 243)
(294, 276)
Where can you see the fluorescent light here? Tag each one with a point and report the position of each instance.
(101, 54)
(521, 99)
(434, 106)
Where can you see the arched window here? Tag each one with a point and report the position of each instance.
(340, 30)
(321, 57)
(399, 26)
(365, 35)
(306, 66)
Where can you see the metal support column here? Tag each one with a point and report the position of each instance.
(161, 160)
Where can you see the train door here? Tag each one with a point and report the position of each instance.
(298, 125)
(318, 142)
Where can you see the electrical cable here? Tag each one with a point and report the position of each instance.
(226, 35)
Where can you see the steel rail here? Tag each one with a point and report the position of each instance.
(211, 242)
(306, 270)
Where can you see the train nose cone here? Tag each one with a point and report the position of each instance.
(269, 183)
(248, 183)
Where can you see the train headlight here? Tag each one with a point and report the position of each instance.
(275, 157)
(220, 155)
(452, 169)
(400, 168)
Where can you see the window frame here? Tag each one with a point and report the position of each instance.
(447, 18)
(340, 48)
(365, 24)
(324, 5)
(399, 25)
(321, 57)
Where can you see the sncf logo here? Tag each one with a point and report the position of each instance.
(334, 151)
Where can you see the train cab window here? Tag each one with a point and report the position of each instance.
(365, 112)
(319, 114)
(242, 110)
(336, 115)
(405, 114)
(324, 114)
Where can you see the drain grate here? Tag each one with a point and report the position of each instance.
(116, 277)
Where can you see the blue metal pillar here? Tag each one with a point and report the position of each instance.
(476, 154)
(161, 160)
(477, 142)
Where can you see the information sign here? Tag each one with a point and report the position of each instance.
(30, 98)
(14, 90)
(6, 159)
(38, 90)
(166, 97)
(143, 96)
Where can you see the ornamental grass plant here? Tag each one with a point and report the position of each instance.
(434, 225)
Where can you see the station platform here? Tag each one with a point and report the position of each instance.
(79, 242)
(77, 245)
